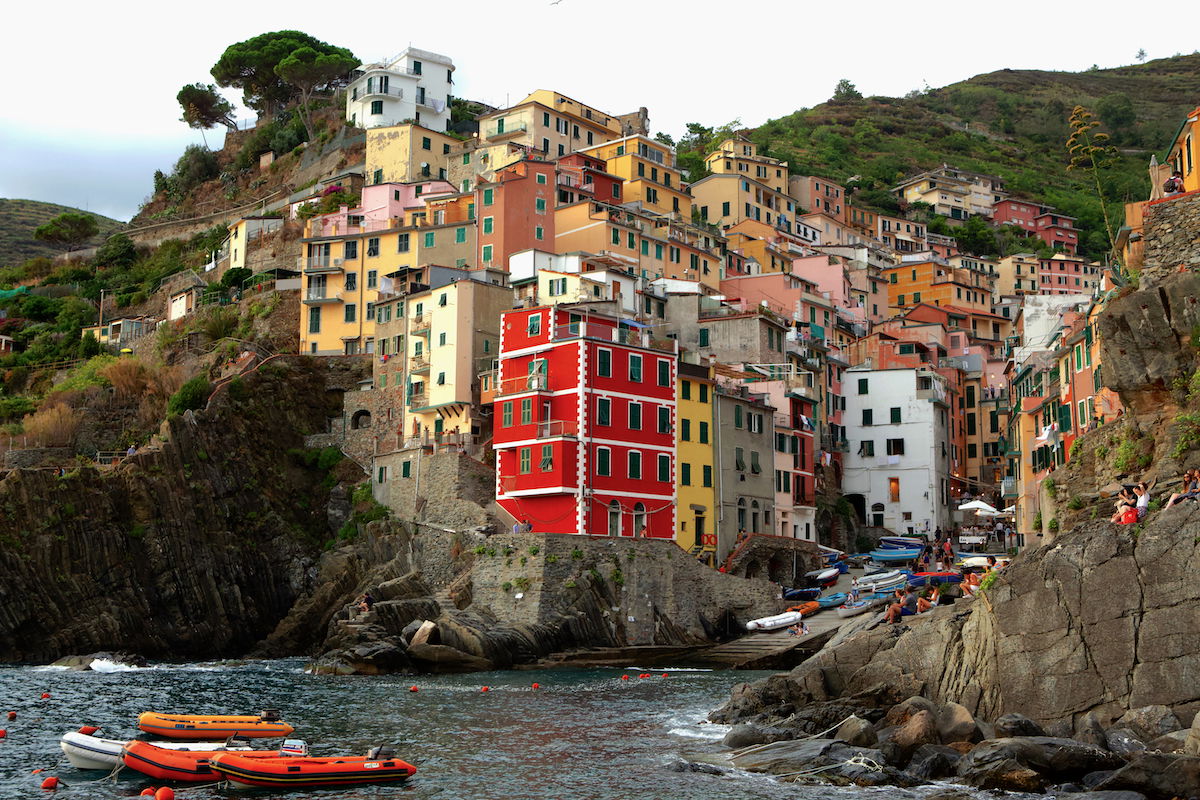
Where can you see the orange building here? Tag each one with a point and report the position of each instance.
(937, 283)
(516, 211)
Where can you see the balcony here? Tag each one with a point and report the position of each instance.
(362, 92)
(521, 384)
(550, 429)
(419, 364)
(495, 131)
(318, 265)
(427, 102)
(628, 336)
(420, 322)
(315, 297)
(1008, 487)
(418, 400)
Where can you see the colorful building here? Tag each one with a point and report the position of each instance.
(695, 479)
(739, 156)
(585, 423)
(727, 199)
(516, 211)
(818, 195)
(555, 125)
(1064, 274)
(647, 170)
(408, 153)
(413, 86)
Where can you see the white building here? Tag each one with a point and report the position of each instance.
(898, 463)
(414, 86)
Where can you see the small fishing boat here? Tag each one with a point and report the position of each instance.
(214, 726)
(890, 555)
(822, 577)
(87, 751)
(832, 600)
(810, 607)
(184, 766)
(806, 593)
(901, 542)
(867, 603)
(883, 581)
(774, 622)
(842, 567)
(306, 772)
(925, 578)
(979, 562)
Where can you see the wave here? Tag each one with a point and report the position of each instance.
(107, 665)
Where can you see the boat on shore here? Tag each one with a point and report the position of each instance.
(901, 542)
(861, 606)
(184, 766)
(895, 554)
(803, 593)
(307, 772)
(86, 751)
(832, 600)
(883, 581)
(925, 578)
(811, 607)
(775, 621)
(823, 577)
(214, 726)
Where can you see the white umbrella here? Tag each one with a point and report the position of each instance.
(978, 505)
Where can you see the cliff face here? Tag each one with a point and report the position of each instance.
(1101, 621)
(195, 547)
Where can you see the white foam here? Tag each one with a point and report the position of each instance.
(107, 665)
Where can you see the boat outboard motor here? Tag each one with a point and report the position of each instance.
(294, 747)
(270, 715)
(381, 752)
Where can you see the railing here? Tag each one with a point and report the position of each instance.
(420, 322)
(417, 400)
(319, 264)
(320, 296)
(426, 101)
(521, 383)
(363, 91)
(557, 427)
(494, 131)
(419, 362)
(1008, 487)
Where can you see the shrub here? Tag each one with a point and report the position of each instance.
(1125, 455)
(192, 395)
(506, 586)
(1053, 525)
(1075, 503)
(219, 323)
(1037, 521)
(534, 550)
(988, 580)
(1102, 451)
(55, 426)
(1051, 487)
(1188, 427)
(15, 406)
(328, 458)
(197, 165)
(522, 583)
(617, 577)
(128, 376)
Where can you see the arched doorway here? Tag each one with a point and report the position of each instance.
(741, 514)
(360, 420)
(877, 515)
(639, 519)
(859, 503)
(753, 568)
(614, 518)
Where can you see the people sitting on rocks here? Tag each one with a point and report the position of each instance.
(905, 605)
(1190, 490)
(1126, 500)
(799, 629)
(1142, 491)
(365, 602)
(924, 602)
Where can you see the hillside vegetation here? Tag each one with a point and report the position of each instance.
(19, 219)
(1011, 123)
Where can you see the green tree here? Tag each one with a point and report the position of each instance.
(976, 237)
(1116, 110)
(117, 251)
(68, 230)
(197, 165)
(203, 107)
(310, 71)
(1141, 55)
(845, 90)
(250, 66)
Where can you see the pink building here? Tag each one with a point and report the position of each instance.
(819, 195)
(380, 206)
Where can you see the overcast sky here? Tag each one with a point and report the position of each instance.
(89, 107)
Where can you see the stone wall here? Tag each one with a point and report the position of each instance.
(36, 456)
(1171, 234)
(451, 490)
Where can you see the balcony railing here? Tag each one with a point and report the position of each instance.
(1008, 487)
(420, 322)
(629, 336)
(363, 91)
(418, 400)
(494, 132)
(319, 264)
(316, 296)
(521, 383)
(419, 363)
(557, 427)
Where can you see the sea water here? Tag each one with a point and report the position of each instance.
(581, 734)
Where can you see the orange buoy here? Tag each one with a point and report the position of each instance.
(12, 715)
(535, 686)
(485, 689)
(39, 769)
(147, 792)
(412, 688)
(624, 677)
(45, 695)
(50, 783)
(165, 793)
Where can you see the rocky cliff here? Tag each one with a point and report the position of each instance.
(1101, 621)
(195, 547)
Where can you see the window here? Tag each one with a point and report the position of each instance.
(664, 372)
(314, 319)
(867, 448)
(372, 247)
(685, 430)
(535, 325)
(406, 469)
(635, 416)
(739, 459)
(402, 243)
(704, 393)
(526, 460)
(489, 196)
(755, 467)
(737, 417)
(441, 379)
(604, 363)
(866, 416)
(664, 419)
(350, 250)
(635, 368)
(376, 106)
(894, 489)
(703, 433)
(603, 411)
(526, 410)
(685, 390)
(506, 416)
(539, 233)
(539, 204)
(708, 478)
(603, 461)
(351, 281)
(487, 254)
(635, 465)
(547, 462)
(372, 279)
(460, 235)
(895, 414)
(351, 312)
(704, 337)
(664, 468)
(429, 239)
(442, 339)
(895, 447)
(685, 474)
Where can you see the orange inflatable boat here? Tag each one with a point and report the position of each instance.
(378, 766)
(185, 766)
(214, 726)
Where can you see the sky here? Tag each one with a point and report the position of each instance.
(89, 107)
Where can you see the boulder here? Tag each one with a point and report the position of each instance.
(932, 761)
(442, 659)
(955, 724)
(1089, 731)
(744, 735)
(1159, 776)
(1149, 722)
(921, 728)
(1005, 763)
(962, 748)
(1174, 742)
(1191, 745)
(1112, 795)
(1123, 742)
(423, 633)
(779, 758)
(857, 732)
(1011, 725)
(899, 713)
(695, 766)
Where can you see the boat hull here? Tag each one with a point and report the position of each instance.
(925, 578)
(308, 772)
(182, 766)
(832, 601)
(199, 726)
(886, 556)
(774, 622)
(85, 751)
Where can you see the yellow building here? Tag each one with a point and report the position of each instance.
(551, 123)
(647, 169)
(408, 153)
(726, 200)
(939, 284)
(242, 237)
(1016, 275)
(555, 287)
(696, 496)
(739, 156)
(1184, 154)
(954, 193)
(343, 270)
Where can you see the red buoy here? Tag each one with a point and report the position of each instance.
(12, 715)
(412, 688)
(535, 686)
(485, 689)
(88, 730)
(165, 793)
(45, 695)
(50, 783)
(3, 733)
(148, 792)
(624, 677)
(664, 674)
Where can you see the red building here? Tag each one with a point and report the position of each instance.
(585, 424)
(1014, 211)
(1058, 231)
(516, 211)
(582, 177)
(1065, 274)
